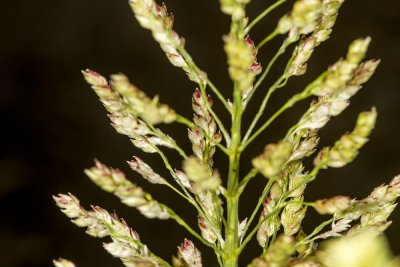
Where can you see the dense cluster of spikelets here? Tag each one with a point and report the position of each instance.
(356, 225)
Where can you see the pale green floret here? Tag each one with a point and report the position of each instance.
(269, 225)
(346, 149)
(332, 205)
(278, 254)
(200, 176)
(63, 263)
(270, 162)
(240, 58)
(151, 110)
(234, 8)
(292, 216)
(363, 250)
(305, 13)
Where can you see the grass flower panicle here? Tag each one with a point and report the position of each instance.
(215, 195)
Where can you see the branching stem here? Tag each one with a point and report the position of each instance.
(242, 185)
(188, 196)
(280, 51)
(181, 222)
(263, 14)
(260, 201)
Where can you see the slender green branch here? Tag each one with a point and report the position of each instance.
(271, 89)
(177, 191)
(318, 229)
(293, 100)
(117, 235)
(160, 134)
(169, 167)
(181, 222)
(188, 196)
(280, 51)
(282, 202)
(192, 65)
(217, 120)
(182, 120)
(242, 185)
(260, 111)
(298, 97)
(287, 105)
(271, 36)
(263, 14)
(252, 233)
(219, 259)
(307, 92)
(191, 199)
(260, 201)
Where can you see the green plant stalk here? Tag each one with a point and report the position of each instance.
(216, 118)
(243, 183)
(277, 209)
(263, 14)
(191, 63)
(272, 89)
(310, 237)
(160, 134)
(193, 66)
(181, 222)
(282, 202)
(232, 196)
(267, 39)
(188, 196)
(293, 100)
(280, 51)
(260, 201)
(182, 120)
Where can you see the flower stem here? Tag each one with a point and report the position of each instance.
(263, 14)
(242, 185)
(232, 195)
(282, 202)
(181, 222)
(260, 201)
(217, 120)
(272, 89)
(182, 120)
(191, 64)
(188, 196)
(267, 39)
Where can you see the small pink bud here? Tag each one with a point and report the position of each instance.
(94, 78)
(249, 41)
(197, 93)
(190, 254)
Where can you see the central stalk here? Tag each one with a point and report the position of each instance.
(231, 231)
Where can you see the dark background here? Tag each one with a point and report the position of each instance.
(53, 125)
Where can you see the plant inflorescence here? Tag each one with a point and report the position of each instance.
(276, 221)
